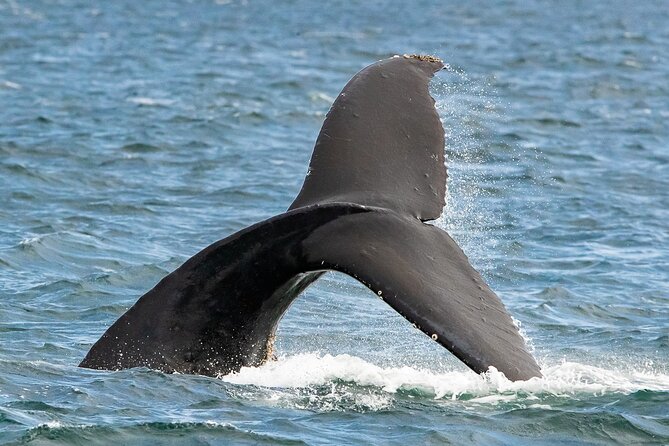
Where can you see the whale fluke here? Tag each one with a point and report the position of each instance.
(377, 172)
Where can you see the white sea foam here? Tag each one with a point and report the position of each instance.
(31, 241)
(11, 85)
(568, 378)
(141, 100)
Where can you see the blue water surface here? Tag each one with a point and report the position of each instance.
(133, 134)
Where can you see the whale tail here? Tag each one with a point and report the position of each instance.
(376, 174)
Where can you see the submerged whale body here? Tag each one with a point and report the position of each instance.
(376, 175)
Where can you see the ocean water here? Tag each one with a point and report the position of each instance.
(133, 134)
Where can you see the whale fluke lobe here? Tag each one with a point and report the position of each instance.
(423, 274)
(218, 311)
(382, 143)
(377, 172)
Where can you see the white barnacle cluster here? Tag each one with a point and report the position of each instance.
(423, 57)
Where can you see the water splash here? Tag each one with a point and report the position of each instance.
(464, 105)
(487, 165)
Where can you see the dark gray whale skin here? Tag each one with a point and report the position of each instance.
(376, 174)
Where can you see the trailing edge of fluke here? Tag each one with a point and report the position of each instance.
(376, 174)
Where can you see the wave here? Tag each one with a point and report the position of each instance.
(207, 432)
(567, 378)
